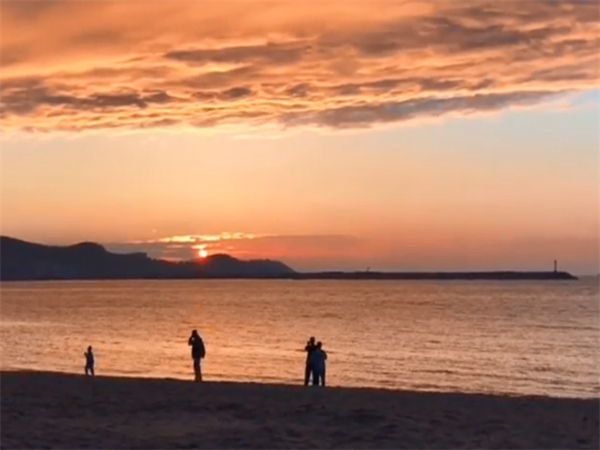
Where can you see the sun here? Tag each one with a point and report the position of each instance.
(202, 253)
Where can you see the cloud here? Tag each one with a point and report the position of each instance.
(245, 246)
(276, 54)
(347, 252)
(75, 66)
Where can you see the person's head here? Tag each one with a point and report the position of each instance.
(195, 333)
(312, 340)
(89, 348)
(319, 344)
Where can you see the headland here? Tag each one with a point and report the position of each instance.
(26, 261)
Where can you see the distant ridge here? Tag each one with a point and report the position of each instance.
(21, 260)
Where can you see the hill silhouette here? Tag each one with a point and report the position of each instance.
(21, 260)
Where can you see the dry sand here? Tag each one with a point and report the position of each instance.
(44, 410)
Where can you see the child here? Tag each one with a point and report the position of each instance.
(89, 361)
(318, 358)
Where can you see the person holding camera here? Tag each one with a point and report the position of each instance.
(309, 349)
(198, 352)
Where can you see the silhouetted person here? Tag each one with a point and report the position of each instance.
(89, 361)
(310, 347)
(317, 363)
(198, 352)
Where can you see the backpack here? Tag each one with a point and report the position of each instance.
(202, 349)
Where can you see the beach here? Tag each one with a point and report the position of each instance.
(54, 410)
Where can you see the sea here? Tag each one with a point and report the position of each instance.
(515, 338)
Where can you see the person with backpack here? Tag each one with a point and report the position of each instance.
(198, 352)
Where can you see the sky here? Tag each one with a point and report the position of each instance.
(394, 135)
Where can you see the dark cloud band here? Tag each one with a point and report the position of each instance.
(458, 58)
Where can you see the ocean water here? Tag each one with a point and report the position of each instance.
(503, 337)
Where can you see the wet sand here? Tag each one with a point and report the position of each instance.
(48, 410)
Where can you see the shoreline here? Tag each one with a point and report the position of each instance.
(60, 410)
(366, 389)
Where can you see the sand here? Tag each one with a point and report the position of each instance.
(46, 410)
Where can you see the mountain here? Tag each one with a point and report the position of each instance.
(21, 260)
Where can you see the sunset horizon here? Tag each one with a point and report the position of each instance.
(411, 136)
(175, 249)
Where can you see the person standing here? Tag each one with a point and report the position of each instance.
(309, 349)
(198, 352)
(89, 361)
(317, 363)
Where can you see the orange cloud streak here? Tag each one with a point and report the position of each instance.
(446, 252)
(72, 66)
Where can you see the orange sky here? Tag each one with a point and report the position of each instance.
(394, 134)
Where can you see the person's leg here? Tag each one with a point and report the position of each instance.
(307, 374)
(86, 370)
(323, 377)
(92, 370)
(197, 373)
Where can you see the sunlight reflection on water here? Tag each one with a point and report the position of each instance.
(528, 338)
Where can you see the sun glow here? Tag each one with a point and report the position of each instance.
(202, 253)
